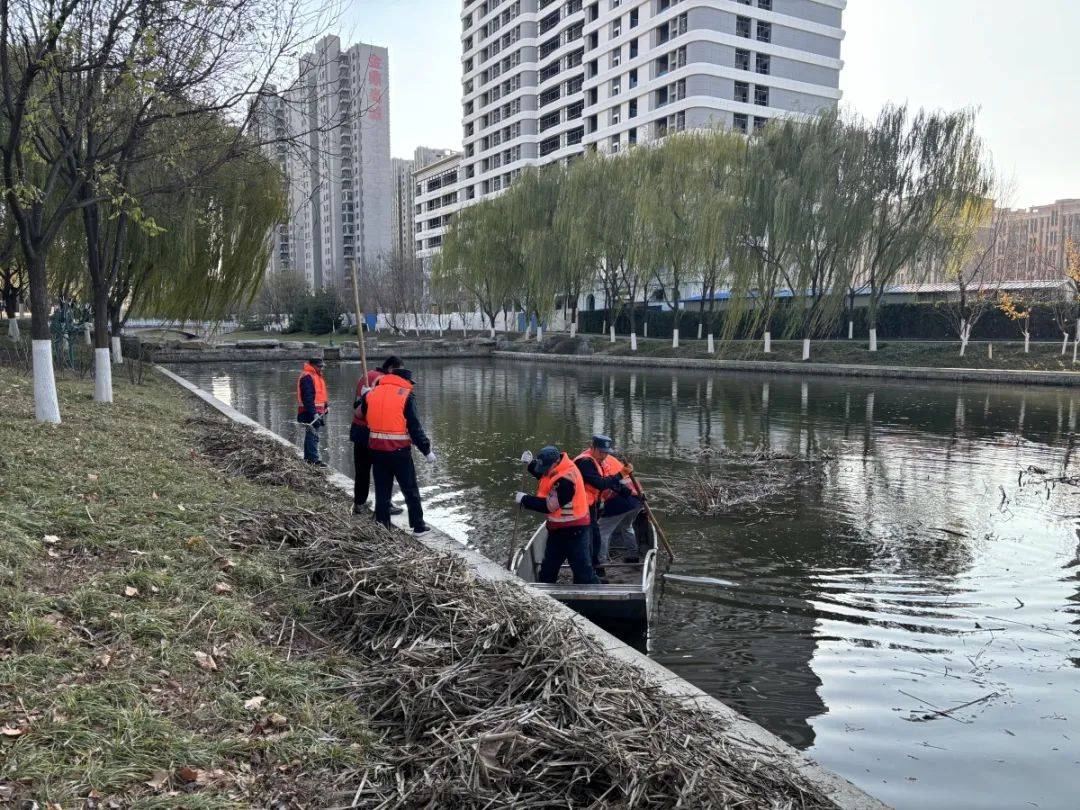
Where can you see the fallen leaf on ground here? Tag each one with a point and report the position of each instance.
(154, 495)
(104, 660)
(158, 780)
(11, 731)
(224, 563)
(91, 477)
(205, 661)
(223, 587)
(277, 720)
(50, 540)
(254, 703)
(130, 592)
(180, 506)
(188, 774)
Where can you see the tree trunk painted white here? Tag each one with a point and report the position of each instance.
(573, 329)
(711, 344)
(645, 329)
(806, 349)
(633, 341)
(851, 330)
(528, 330)
(493, 333)
(13, 329)
(1027, 342)
(965, 334)
(539, 332)
(699, 331)
(873, 340)
(674, 338)
(1076, 345)
(604, 330)
(86, 335)
(613, 334)
(46, 405)
(768, 343)
(117, 350)
(102, 376)
(989, 351)
(1064, 343)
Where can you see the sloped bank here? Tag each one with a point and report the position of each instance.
(1006, 376)
(488, 694)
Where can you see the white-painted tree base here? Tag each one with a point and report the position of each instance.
(1027, 342)
(711, 345)
(117, 350)
(873, 340)
(573, 329)
(990, 351)
(1076, 345)
(46, 405)
(86, 335)
(806, 349)
(493, 333)
(528, 331)
(768, 343)
(633, 341)
(851, 330)
(699, 331)
(674, 338)
(645, 329)
(613, 334)
(102, 376)
(1064, 344)
(539, 334)
(13, 329)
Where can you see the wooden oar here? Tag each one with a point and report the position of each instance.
(649, 513)
(517, 520)
(359, 321)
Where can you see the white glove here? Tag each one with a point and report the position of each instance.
(519, 497)
(364, 391)
(431, 457)
(527, 457)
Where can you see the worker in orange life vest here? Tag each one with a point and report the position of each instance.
(561, 496)
(359, 435)
(613, 500)
(394, 427)
(312, 405)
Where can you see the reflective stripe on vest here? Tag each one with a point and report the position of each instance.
(575, 513)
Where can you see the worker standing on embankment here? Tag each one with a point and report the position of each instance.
(561, 496)
(394, 427)
(312, 405)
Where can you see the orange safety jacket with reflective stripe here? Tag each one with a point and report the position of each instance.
(575, 513)
(386, 414)
(317, 379)
(610, 466)
(370, 381)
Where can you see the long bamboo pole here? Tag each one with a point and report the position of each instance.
(359, 320)
(649, 513)
(517, 521)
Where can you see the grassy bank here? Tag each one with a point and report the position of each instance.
(1007, 355)
(141, 658)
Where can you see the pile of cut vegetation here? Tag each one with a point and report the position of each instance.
(481, 697)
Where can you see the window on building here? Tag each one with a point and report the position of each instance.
(742, 27)
(616, 86)
(614, 143)
(633, 48)
(633, 18)
(764, 31)
(742, 92)
(742, 59)
(616, 115)
(766, 5)
(631, 136)
(632, 112)
(742, 123)
(631, 79)
(616, 29)
(763, 63)
(759, 124)
(761, 95)
(616, 57)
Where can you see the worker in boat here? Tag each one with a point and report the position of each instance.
(613, 501)
(312, 405)
(561, 496)
(393, 428)
(358, 435)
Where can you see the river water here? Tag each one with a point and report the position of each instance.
(910, 572)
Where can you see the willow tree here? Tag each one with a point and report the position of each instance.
(920, 168)
(530, 208)
(822, 161)
(579, 252)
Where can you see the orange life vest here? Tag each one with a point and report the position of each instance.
(321, 398)
(575, 513)
(609, 466)
(386, 414)
(370, 381)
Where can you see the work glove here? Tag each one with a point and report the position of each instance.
(364, 390)
(318, 422)
(519, 497)
(628, 469)
(527, 457)
(431, 457)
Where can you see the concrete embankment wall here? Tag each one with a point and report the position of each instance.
(1061, 378)
(741, 731)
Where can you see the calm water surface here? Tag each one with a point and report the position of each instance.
(912, 573)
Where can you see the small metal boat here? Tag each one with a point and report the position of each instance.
(629, 595)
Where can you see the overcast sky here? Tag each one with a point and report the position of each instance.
(1018, 62)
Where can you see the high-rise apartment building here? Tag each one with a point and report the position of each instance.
(403, 222)
(438, 196)
(337, 161)
(543, 80)
(1033, 246)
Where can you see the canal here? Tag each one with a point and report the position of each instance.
(927, 559)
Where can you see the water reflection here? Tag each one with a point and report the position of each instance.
(912, 572)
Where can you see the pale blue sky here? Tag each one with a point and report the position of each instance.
(1019, 62)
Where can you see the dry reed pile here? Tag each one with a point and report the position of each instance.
(481, 698)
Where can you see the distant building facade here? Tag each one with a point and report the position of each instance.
(437, 198)
(404, 214)
(1034, 245)
(336, 116)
